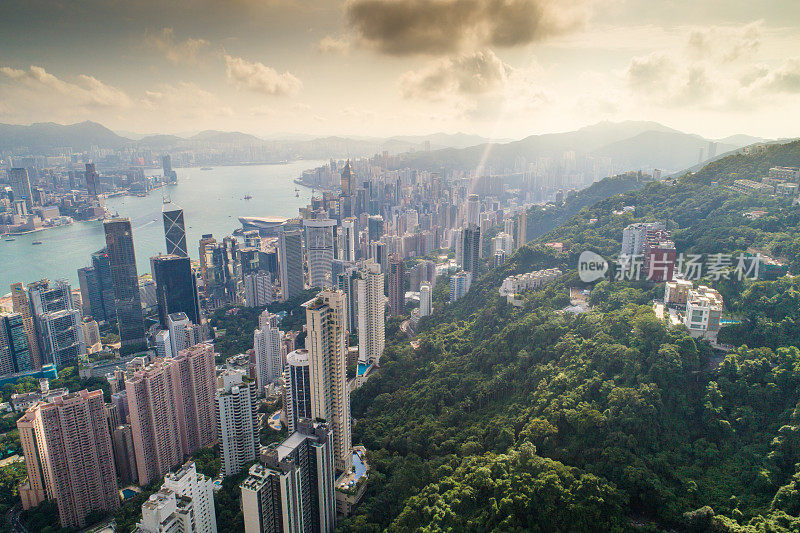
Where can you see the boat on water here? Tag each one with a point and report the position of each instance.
(206, 168)
(8, 238)
(297, 195)
(36, 242)
(248, 197)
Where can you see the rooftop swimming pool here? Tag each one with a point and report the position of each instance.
(358, 465)
(362, 369)
(128, 493)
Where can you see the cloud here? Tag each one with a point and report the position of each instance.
(784, 79)
(260, 78)
(467, 74)
(175, 51)
(184, 100)
(334, 45)
(86, 91)
(407, 27)
(725, 43)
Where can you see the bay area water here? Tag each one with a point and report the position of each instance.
(212, 201)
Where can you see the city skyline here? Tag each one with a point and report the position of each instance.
(382, 67)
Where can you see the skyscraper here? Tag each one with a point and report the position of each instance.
(22, 305)
(290, 251)
(326, 320)
(21, 185)
(371, 311)
(397, 286)
(348, 180)
(58, 323)
(293, 489)
(319, 251)
(473, 215)
(237, 421)
(425, 299)
(174, 229)
(14, 354)
(166, 166)
(171, 410)
(128, 305)
(182, 333)
(267, 347)
(522, 229)
(93, 186)
(345, 275)
(184, 504)
(470, 249)
(298, 388)
(348, 237)
(176, 287)
(69, 456)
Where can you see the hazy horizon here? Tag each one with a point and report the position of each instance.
(382, 68)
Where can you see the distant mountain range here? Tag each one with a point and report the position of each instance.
(630, 145)
(42, 137)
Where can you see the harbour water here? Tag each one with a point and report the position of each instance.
(212, 201)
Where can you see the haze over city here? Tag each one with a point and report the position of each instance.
(501, 69)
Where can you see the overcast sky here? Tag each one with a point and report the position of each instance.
(500, 68)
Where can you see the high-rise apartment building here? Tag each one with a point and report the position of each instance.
(298, 388)
(182, 333)
(124, 453)
(268, 350)
(326, 320)
(171, 410)
(237, 421)
(473, 208)
(185, 504)
(258, 289)
(397, 286)
(371, 314)
(58, 323)
(469, 257)
(425, 299)
(345, 275)
(319, 251)
(522, 229)
(293, 489)
(127, 302)
(174, 229)
(459, 285)
(69, 456)
(176, 288)
(21, 304)
(290, 251)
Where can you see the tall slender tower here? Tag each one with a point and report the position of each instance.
(22, 305)
(92, 181)
(267, 347)
(348, 180)
(122, 257)
(298, 388)
(174, 228)
(326, 319)
(68, 451)
(290, 251)
(237, 421)
(397, 285)
(319, 251)
(176, 288)
(371, 314)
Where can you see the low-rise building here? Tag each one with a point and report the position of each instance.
(520, 283)
(703, 312)
(676, 293)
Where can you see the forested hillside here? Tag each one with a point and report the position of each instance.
(533, 418)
